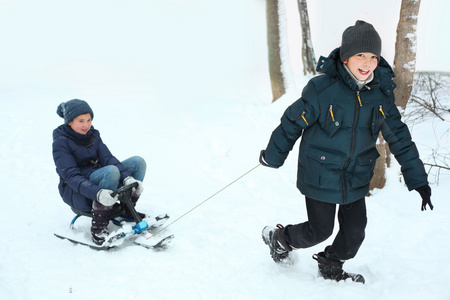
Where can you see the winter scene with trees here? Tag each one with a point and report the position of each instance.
(240, 109)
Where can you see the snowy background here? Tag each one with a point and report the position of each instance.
(185, 85)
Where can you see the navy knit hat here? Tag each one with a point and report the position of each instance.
(73, 108)
(360, 38)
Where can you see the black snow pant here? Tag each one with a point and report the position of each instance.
(352, 223)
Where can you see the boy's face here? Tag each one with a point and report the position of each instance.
(81, 124)
(362, 65)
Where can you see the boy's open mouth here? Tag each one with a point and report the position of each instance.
(364, 72)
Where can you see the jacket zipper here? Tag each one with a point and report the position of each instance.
(380, 108)
(352, 149)
(380, 120)
(303, 117)
(331, 112)
(359, 98)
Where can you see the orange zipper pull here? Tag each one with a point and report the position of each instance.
(303, 117)
(359, 99)
(381, 109)
(331, 112)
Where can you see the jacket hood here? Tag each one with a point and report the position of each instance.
(332, 66)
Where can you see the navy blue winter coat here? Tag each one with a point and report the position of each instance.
(340, 126)
(76, 156)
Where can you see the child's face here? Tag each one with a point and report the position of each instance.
(81, 124)
(362, 65)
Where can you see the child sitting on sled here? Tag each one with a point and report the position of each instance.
(88, 172)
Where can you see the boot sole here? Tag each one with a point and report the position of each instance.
(288, 261)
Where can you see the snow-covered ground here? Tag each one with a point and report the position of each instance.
(185, 85)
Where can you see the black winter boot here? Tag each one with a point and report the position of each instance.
(100, 221)
(332, 269)
(279, 248)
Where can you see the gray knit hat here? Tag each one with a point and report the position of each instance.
(360, 38)
(73, 108)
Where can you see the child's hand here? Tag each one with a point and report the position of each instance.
(262, 160)
(139, 189)
(104, 197)
(425, 193)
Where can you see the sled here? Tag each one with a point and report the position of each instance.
(127, 228)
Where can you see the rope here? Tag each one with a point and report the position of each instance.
(203, 201)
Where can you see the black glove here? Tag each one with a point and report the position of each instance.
(425, 193)
(262, 160)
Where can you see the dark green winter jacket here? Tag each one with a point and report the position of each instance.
(340, 126)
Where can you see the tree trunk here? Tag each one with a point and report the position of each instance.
(405, 51)
(309, 60)
(384, 161)
(273, 41)
(404, 69)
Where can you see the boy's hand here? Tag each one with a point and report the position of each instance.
(262, 160)
(425, 193)
(104, 197)
(139, 189)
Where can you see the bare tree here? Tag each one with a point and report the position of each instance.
(438, 160)
(309, 60)
(426, 97)
(404, 68)
(405, 51)
(273, 41)
(430, 98)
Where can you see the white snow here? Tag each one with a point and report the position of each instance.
(185, 85)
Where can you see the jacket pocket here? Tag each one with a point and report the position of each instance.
(323, 169)
(378, 117)
(333, 123)
(365, 164)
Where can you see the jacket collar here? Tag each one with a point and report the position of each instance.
(65, 130)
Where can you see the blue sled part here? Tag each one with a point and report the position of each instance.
(140, 227)
(73, 221)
